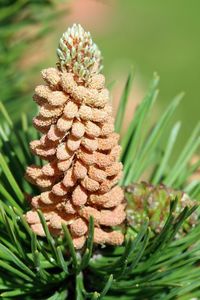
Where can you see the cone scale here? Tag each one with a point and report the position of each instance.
(80, 176)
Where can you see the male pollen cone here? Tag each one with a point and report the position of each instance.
(80, 146)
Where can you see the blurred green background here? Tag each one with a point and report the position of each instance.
(161, 36)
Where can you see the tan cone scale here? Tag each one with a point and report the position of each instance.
(81, 148)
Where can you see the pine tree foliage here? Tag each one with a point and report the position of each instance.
(145, 267)
(22, 24)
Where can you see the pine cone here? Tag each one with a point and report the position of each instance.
(81, 149)
(153, 202)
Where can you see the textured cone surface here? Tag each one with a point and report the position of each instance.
(146, 200)
(81, 151)
(78, 54)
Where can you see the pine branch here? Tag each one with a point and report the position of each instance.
(155, 262)
(155, 267)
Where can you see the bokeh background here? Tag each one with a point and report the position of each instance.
(161, 36)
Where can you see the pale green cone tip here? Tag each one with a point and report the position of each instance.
(77, 53)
